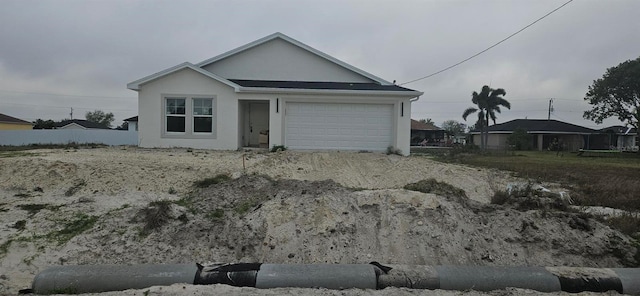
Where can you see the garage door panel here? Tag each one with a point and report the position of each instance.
(338, 126)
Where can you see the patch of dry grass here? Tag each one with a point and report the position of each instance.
(594, 181)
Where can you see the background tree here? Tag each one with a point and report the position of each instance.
(427, 120)
(488, 103)
(99, 117)
(616, 94)
(453, 127)
(44, 124)
(520, 139)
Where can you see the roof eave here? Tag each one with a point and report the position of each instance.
(408, 94)
(297, 43)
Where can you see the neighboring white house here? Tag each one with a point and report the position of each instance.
(132, 123)
(305, 99)
(79, 124)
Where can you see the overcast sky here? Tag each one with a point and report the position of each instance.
(57, 55)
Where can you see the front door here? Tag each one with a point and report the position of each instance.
(257, 120)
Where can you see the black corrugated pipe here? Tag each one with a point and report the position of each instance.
(102, 278)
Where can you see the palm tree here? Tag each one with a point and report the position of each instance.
(488, 102)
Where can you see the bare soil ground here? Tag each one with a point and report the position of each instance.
(129, 205)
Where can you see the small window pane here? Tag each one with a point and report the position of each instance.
(175, 106)
(202, 106)
(202, 124)
(175, 124)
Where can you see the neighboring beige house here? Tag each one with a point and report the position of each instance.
(543, 132)
(11, 123)
(304, 98)
(421, 131)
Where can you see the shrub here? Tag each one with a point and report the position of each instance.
(81, 223)
(211, 181)
(75, 188)
(393, 150)
(154, 216)
(520, 140)
(440, 188)
(216, 215)
(277, 148)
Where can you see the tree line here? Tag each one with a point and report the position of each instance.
(97, 116)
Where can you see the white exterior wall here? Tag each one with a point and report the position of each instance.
(291, 63)
(401, 128)
(187, 82)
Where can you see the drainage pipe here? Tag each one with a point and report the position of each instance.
(102, 278)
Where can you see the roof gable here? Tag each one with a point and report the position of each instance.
(81, 123)
(280, 57)
(9, 119)
(186, 65)
(540, 125)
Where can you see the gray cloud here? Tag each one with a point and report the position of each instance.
(93, 48)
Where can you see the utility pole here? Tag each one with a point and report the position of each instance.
(550, 108)
(71, 114)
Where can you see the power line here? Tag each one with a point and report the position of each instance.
(488, 48)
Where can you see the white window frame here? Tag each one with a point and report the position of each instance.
(189, 116)
(193, 118)
(167, 114)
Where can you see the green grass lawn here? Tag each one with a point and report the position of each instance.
(612, 180)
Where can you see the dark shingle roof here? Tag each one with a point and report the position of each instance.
(540, 125)
(421, 126)
(9, 119)
(81, 122)
(135, 118)
(318, 85)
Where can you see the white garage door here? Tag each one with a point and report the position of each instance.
(338, 126)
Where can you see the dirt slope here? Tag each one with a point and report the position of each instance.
(92, 206)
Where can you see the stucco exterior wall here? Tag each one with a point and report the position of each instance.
(292, 63)
(278, 105)
(5, 126)
(187, 82)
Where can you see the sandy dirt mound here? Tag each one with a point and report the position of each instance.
(115, 205)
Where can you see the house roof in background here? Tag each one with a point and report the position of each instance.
(619, 129)
(318, 85)
(9, 119)
(135, 118)
(421, 126)
(82, 123)
(539, 126)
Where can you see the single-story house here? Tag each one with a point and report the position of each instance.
(301, 97)
(11, 123)
(543, 132)
(132, 123)
(615, 137)
(422, 130)
(79, 124)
